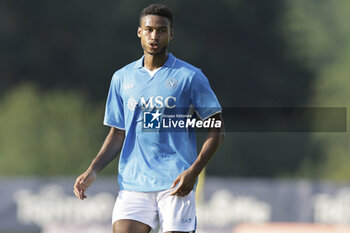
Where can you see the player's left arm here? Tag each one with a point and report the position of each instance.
(187, 179)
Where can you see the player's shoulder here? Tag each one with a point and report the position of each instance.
(194, 73)
(186, 67)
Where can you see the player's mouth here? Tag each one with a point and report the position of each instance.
(154, 45)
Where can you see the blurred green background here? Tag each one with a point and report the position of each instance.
(57, 59)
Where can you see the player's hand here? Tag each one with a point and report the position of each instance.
(82, 183)
(185, 182)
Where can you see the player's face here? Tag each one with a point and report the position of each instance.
(155, 34)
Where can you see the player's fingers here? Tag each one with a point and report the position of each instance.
(184, 189)
(79, 191)
(178, 190)
(82, 194)
(176, 181)
(77, 194)
(79, 179)
(175, 192)
(76, 190)
(186, 192)
(182, 192)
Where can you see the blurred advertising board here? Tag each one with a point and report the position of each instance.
(37, 204)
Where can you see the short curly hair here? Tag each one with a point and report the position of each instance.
(157, 9)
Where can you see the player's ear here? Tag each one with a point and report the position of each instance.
(139, 32)
(171, 34)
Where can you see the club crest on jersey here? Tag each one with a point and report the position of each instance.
(171, 83)
(152, 102)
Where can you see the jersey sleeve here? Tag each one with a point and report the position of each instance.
(114, 112)
(203, 98)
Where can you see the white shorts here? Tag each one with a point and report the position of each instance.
(157, 209)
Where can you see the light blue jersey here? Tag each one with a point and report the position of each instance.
(151, 160)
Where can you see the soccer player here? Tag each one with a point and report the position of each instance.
(158, 169)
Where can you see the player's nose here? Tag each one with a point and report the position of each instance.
(154, 35)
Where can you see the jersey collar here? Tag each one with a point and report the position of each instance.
(170, 62)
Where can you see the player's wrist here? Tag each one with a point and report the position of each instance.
(92, 171)
(196, 169)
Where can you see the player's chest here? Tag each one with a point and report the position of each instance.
(163, 89)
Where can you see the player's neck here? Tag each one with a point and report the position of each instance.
(152, 62)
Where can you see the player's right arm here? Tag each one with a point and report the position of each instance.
(109, 150)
